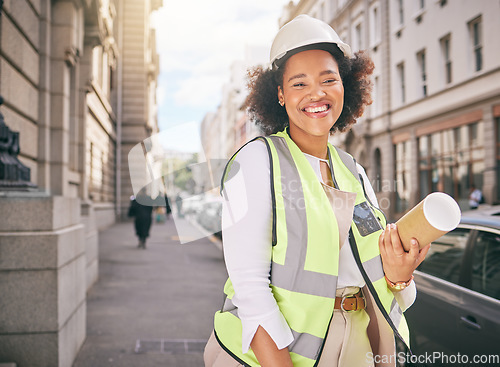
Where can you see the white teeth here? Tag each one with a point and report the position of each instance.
(316, 109)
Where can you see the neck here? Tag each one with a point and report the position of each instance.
(314, 145)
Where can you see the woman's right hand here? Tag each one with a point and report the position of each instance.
(398, 264)
(267, 352)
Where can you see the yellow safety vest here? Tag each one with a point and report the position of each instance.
(305, 253)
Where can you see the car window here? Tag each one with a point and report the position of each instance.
(445, 256)
(486, 264)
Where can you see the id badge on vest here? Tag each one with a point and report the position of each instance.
(365, 219)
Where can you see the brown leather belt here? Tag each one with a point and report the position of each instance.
(352, 303)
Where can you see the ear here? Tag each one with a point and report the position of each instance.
(281, 96)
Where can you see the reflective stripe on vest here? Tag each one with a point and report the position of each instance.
(290, 272)
(304, 267)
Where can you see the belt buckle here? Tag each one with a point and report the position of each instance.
(342, 303)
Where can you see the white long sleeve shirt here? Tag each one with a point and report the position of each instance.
(246, 222)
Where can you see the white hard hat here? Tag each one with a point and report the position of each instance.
(301, 32)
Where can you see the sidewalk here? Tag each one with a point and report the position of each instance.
(152, 307)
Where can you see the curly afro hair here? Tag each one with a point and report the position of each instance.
(265, 110)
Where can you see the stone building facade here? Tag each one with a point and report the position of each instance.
(229, 127)
(434, 124)
(78, 78)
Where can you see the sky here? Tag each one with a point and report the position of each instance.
(197, 41)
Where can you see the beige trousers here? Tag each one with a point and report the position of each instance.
(215, 356)
(346, 344)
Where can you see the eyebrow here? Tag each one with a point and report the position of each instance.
(298, 76)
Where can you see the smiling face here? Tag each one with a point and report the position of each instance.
(313, 94)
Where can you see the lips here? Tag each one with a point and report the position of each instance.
(317, 110)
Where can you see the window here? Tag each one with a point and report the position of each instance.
(104, 74)
(378, 170)
(422, 74)
(401, 76)
(446, 57)
(358, 36)
(97, 175)
(444, 259)
(90, 166)
(451, 161)
(343, 35)
(97, 64)
(403, 179)
(333, 6)
(475, 31)
(401, 14)
(74, 120)
(111, 79)
(476, 151)
(486, 265)
(419, 10)
(374, 26)
(375, 109)
(425, 167)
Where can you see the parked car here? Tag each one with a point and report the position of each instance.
(192, 204)
(210, 215)
(457, 310)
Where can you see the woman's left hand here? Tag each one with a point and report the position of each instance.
(399, 264)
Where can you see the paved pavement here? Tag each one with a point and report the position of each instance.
(152, 307)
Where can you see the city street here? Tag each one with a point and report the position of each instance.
(152, 307)
(105, 103)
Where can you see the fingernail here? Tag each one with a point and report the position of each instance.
(393, 225)
(413, 242)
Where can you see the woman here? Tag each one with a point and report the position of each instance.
(314, 278)
(143, 217)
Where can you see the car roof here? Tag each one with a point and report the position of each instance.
(488, 217)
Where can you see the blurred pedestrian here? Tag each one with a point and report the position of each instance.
(475, 197)
(168, 208)
(306, 246)
(142, 219)
(178, 204)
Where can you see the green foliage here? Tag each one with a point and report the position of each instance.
(180, 174)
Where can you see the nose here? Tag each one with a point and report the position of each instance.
(317, 92)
